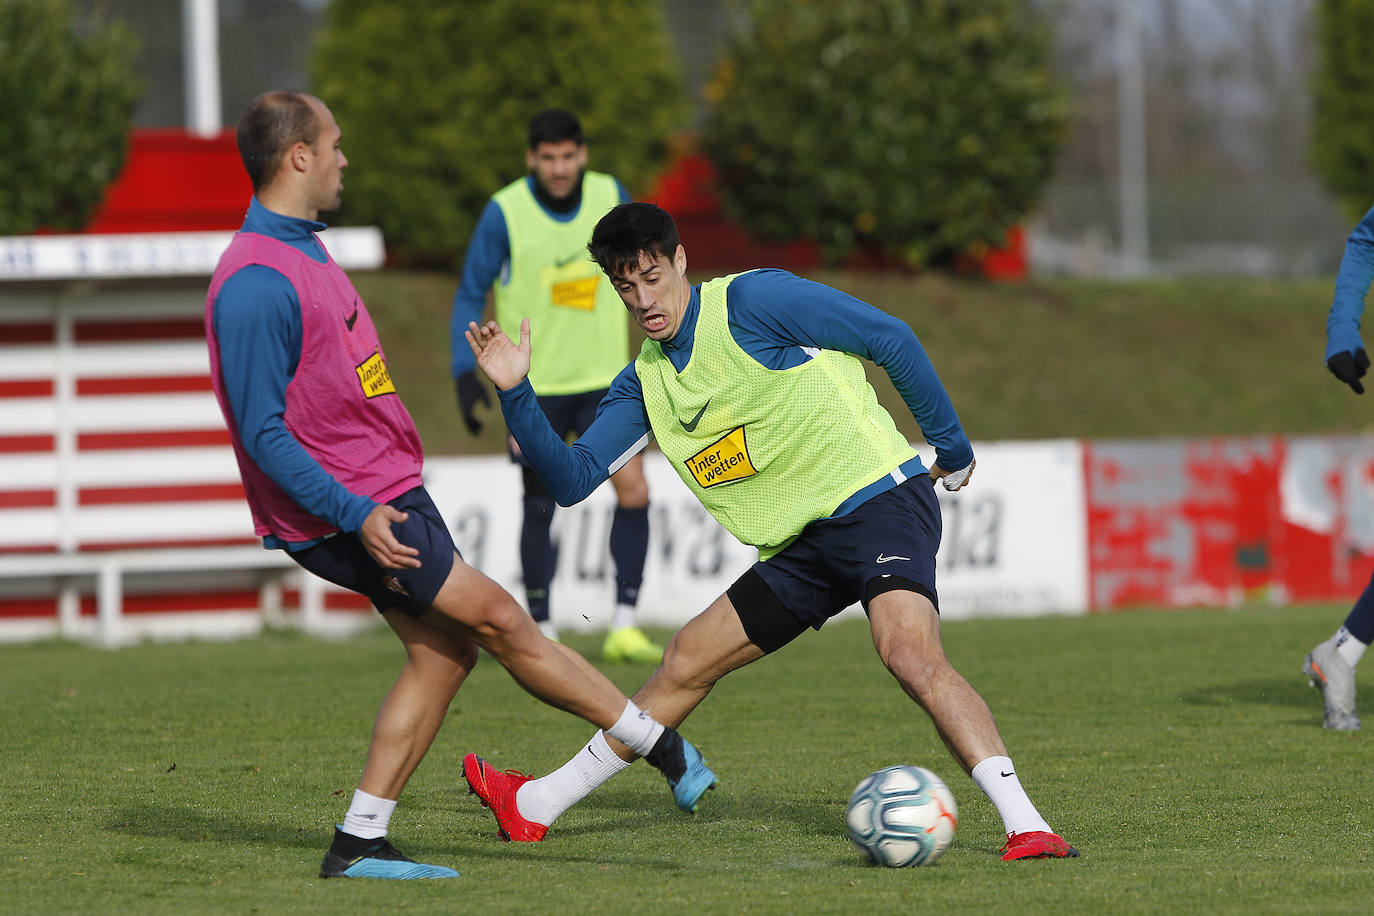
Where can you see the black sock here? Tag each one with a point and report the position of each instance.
(668, 755)
(349, 846)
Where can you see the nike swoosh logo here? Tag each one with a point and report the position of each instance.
(1012, 773)
(351, 318)
(883, 559)
(692, 427)
(564, 262)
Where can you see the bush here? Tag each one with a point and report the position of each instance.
(920, 128)
(68, 104)
(434, 100)
(1342, 143)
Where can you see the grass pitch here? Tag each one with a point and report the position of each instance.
(1181, 752)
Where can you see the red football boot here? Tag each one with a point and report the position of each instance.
(497, 792)
(1036, 844)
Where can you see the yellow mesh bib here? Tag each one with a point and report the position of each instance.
(766, 451)
(580, 334)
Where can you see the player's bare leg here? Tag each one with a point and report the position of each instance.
(906, 633)
(437, 663)
(708, 647)
(473, 605)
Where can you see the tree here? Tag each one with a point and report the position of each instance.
(1342, 146)
(921, 128)
(68, 104)
(434, 100)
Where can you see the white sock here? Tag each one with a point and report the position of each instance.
(1348, 647)
(368, 816)
(624, 616)
(543, 800)
(549, 630)
(636, 730)
(997, 778)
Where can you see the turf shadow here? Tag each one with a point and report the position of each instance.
(1291, 692)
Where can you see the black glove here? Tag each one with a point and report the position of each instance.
(470, 391)
(1349, 366)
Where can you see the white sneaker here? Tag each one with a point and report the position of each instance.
(1325, 668)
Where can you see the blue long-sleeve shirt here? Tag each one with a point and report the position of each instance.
(257, 321)
(774, 317)
(1352, 285)
(488, 258)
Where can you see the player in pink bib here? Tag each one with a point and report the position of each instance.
(331, 463)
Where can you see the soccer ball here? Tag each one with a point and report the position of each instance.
(902, 816)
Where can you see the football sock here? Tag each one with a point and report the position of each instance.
(368, 816)
(537, 555)
(997, 778)
(549, 630)
(543, 800)
(629, 548)
(1359, 623)
(636, 730)
(624, 617)
(1348, 647)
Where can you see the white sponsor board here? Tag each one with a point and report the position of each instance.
(1014, 539)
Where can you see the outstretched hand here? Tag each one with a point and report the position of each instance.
(381, 543)
(505, 362)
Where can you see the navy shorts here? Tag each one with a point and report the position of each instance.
(888, 543)
(569, 414)
(343, 560)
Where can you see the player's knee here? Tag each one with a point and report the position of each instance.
(915, 666)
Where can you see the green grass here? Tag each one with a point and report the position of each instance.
(1180, 751)
(1041, 359)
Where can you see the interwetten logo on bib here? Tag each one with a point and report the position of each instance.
(725, 460)
(575, 294)
(374, 378)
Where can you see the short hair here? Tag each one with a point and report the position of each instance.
(630, 231)
(554, 125)
(270, 125)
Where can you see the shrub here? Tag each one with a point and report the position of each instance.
(64, 124)
(434, 100)
(1342, 144)
(920, 128)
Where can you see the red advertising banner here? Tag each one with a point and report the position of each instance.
(1223, 521)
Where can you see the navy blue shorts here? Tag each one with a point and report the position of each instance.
(569, 414)
(343, 560)
(888, 543)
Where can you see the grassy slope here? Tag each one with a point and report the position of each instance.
(1046, 358)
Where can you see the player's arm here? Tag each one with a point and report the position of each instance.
(258, 327)
(488, 250)
(1345, 353)
(569, 472)
(772, 307)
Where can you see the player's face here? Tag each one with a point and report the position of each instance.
(557, 166)
(327, 163)
(656, 293)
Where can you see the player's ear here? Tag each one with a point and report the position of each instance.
(680, 259)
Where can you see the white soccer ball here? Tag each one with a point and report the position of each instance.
(902, 816)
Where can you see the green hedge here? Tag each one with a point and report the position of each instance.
(434, 100)
(921, 128)
(1343, 124)
(68, 104)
